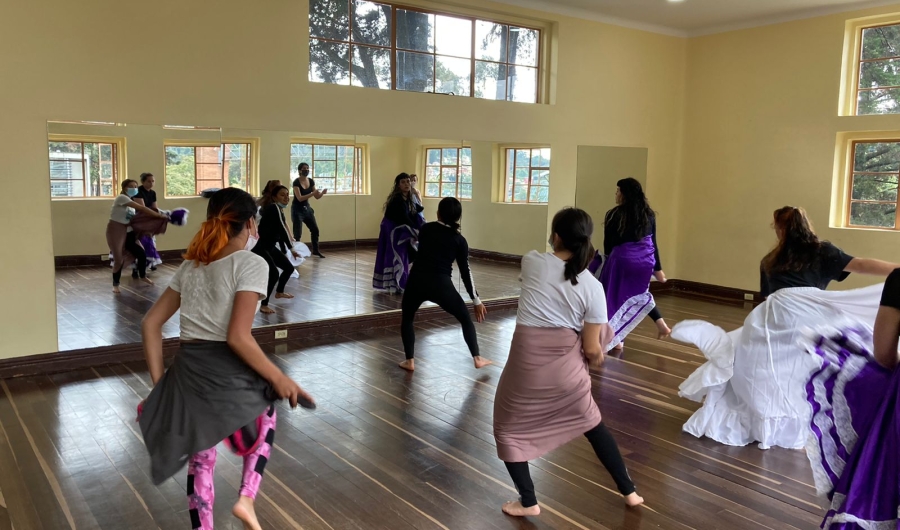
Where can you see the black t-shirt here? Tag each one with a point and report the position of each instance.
(890, 296)
(149, 196)
(439, 247)
(829, 267)
(303, 191)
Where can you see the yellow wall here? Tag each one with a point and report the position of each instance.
(760, 133)
(162, 62)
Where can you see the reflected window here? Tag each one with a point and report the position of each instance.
(190, 169)
(878, 89)
(382, 45)
(448, 172)
(527, 175)
(337, 168)
(873, 185)
(80, 169)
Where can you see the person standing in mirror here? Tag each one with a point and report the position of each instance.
(147, 195)
(417, 196)
(397, 238)
(274, 239)
(440, 243)
(301, 211)
(121, 238)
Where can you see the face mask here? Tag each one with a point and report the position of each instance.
(281, 205)
(305, 173)
(131, 192)
(252, 239)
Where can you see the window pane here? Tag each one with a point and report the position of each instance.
(453, 76)
(491, 41)
(371, 23)
(433, 174)
(448, 190)
(180, 177)
(881, 101)
(448, 174)
(876, 74)
(329, 19)
(876, 157)
(299, 153)
(325, 152)
(415, 31)
(65, 147)
(67, 188)
(523, 46)
(522, 83)
(521, 193)
(344, 185)
(874, 188)
(237, 165)
(432, 189)
(882, 215)
(465, 156)
(523, 157)
(324, 170)
(209, 154)
(329, 62)
(66, 169)
(326, 183)
(490, 80)
(371, 67)
(539, 194)
(881, 42)
(465, 175)
(449, 156)
(545, 156)
(433, 157)
(540, 177)
(453, 36)
(415, 72)
(465, 191)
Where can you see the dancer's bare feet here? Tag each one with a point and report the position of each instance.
(620, 346)
(516, 509)
(283, 295)
(266, 310)
(634, 500)
(147, 281)
(481, 362)
(662, 330)
(116, 289)
(243, 510)
(409, 365)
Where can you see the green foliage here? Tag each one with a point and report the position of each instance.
(875, 178)
(880, 47)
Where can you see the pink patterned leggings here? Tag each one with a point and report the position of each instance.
(201, 467)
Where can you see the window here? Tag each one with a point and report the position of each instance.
(84, 169)
(527, 175)
(878, 91)
(191, 169)
(338, 168)
(380, 45)
(448, 172)
(873, 185)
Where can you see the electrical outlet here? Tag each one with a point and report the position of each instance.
(281, 334)
(748, 297)
(104, 257)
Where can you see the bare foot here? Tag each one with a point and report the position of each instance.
(266, 310)
(481, 362)
(516, 509)
(283, 295)
(634, 500)
(620, 346)
(409, 365)
(116, 289)
(147, 281)
(243, 510)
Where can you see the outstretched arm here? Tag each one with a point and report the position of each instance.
(872, 267)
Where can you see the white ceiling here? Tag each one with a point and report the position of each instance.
(695, 17)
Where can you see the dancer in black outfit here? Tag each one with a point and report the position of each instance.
(274, 240)
(430, 280)
(301, 211)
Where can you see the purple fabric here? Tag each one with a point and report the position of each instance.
(396, 243)
(854, 432)
(625, 275)
(149, 245)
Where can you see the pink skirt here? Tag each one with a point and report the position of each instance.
(544, 396)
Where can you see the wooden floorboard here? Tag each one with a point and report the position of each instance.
(391, 450)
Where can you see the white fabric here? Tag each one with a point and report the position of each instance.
(755, 376)
(548, 300)
(301, 249)
(121, 212)
(207, 292)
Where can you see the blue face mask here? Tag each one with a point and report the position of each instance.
(281, 205)
(131, 192)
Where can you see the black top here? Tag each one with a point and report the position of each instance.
(612, 238)
(890, 296)
(439, 246)
(303, 191)
(829, 267)
(149, 196)
(403, 211)
(273, 228)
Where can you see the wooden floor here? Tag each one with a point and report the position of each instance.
(90, 315)
(391, 450)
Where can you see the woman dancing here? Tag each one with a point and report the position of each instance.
(440, 243)
(754, 376)
(631, 260)
(301, 211)
(274, 241)
(147, 195)
(398, 238)
(220, 384)
(119, 236)
(544, 395)
(855, 432)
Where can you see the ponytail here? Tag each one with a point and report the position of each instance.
(227, 213)
(574, 227)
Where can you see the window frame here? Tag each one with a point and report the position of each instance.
(848, 103)
(252, 164)
(848, 179)
(472, 17)
(119, 167)
(423, 181)
(504, 177)
(361, 163)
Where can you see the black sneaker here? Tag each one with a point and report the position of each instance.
(318, 254)
(153, 268)
(134, 274)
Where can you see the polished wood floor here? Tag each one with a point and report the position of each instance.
(90, 315)
(390, 450)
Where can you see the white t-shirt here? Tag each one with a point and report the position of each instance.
(121, 212)
(207, 292)
(549, 300)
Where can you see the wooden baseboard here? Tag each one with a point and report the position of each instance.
(500, 257)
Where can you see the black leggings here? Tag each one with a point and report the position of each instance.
(140, 257)
(305, 216)
(655, 314)
(607, 451)
(276, 260)
(437, 288)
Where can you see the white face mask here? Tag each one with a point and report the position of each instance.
(252, 239)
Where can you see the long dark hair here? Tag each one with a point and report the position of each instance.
(396, 191)
(574, 227)
(450, 211)
(635, 210)
(269, 197)
(227, 213)
(798, 245)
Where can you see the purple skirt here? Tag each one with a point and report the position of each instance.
(855, 432)
(625, 275)
(396, 246)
